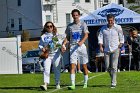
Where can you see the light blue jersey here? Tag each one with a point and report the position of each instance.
(75, 32)
(46, 41)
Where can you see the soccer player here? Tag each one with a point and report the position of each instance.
(76, 33)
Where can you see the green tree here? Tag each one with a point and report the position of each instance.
(135, 8)
(130, 1)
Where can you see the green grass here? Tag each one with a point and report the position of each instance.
(128, 82)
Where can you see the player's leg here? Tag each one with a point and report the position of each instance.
(73, 62)
(57, 68)
(114, 64)
(83, 57)
(78, 67)
(46, 73)
(85, 75)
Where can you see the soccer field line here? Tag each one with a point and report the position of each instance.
(76, 83)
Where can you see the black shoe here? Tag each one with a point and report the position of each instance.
(113, 86)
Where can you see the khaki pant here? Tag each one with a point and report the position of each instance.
(111, 62)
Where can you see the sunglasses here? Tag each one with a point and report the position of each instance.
(50, 26)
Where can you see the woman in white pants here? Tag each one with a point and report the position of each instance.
(54, 55)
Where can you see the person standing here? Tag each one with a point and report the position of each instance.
(134, 41)
(110, 39)
(76, 33)
(53, 57)
(120, 62)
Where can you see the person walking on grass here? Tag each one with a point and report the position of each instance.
(50, 54)
(111, 38)
(76, 33)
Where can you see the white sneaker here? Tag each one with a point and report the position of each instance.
(113, 86)
(43, 87)
(89, 71)
(79, 71)
(118, 70)
(58, 86)
(66, 70)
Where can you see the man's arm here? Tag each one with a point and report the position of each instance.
(100, 40)
(121, 36)
(101, 47)
(63, 48)
(83, 39)
(86, 32)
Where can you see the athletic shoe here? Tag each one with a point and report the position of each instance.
(43, 87)
(58, 86)
(85, 86)
(113, 86)
(79, 71)
(118, 70)
(123, 69)
(89, 71)
(66, 70)
(71, 87)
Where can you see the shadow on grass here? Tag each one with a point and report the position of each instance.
(95, 85)
(49, 87)
(29, 88)
(26, 88)
(100, 86)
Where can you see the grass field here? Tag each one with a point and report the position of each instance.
(128, 82)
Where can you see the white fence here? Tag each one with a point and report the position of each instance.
(10, 55)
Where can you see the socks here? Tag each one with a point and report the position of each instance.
(72, 76)
(85, 79)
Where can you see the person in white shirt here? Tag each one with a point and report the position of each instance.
(76, 33)
(110, 39)
(54, 54)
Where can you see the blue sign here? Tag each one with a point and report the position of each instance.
(114, 11)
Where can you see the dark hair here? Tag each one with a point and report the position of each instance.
(45, 28)
(110, 16)
(75, 10)
(130, 30)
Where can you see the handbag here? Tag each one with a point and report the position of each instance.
(44, 55)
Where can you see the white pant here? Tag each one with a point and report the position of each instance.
(78, 53)
(55, 60)
(111, 61)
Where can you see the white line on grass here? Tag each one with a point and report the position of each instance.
(76, 83)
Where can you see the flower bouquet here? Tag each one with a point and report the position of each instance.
(53, 45)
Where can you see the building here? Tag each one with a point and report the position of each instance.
(19, 15)
(59, 11)
(31, 15)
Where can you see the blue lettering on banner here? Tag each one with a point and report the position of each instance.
(124, 20)
(104, 21)
(114, 11)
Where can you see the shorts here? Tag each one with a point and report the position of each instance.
(78, 53)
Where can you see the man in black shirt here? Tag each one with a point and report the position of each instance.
(134, 40)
